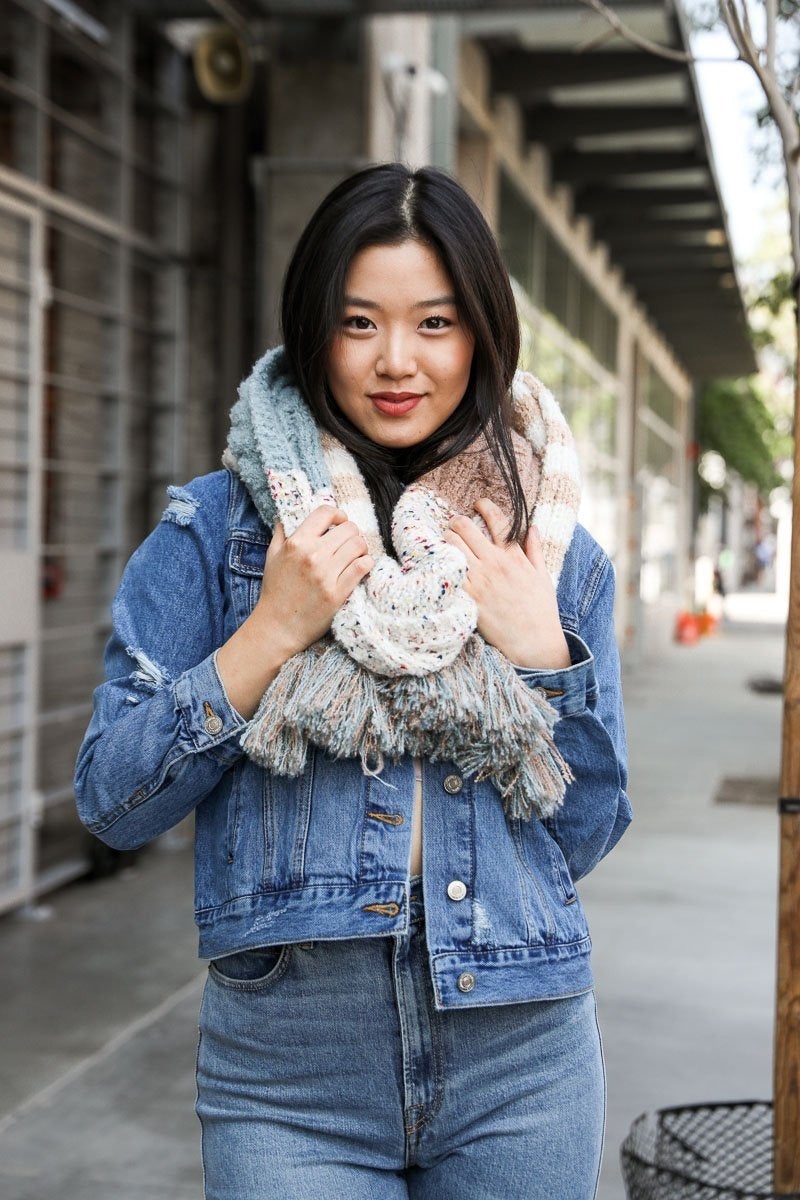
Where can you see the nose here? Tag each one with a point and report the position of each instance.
(396, 358)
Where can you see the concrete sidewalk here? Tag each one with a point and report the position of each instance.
(99, 1003)
(683, 913)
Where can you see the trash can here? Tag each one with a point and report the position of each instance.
(701, 1152)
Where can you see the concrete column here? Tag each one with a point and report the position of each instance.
(399, 102)
(316, 136)
(627, 561)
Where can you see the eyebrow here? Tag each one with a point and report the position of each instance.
(359, 302)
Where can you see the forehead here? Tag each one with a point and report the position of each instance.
(409, 269)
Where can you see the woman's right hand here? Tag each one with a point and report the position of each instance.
(309, 575)
(307, 578)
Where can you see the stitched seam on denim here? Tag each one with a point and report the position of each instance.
(555, 851)
(429, 1111)
(403, 1010)
(254, 985)
(605, 1093)
(197, 1109)
(126, 806)
(596, 575)
(304, 793)
(516, 839)
(234, 809)
(481, 956)
(268, 825)
(438, 1049)
(232, 484)
(334, 883)
(472, 863)
(365, 831)
(523, 891)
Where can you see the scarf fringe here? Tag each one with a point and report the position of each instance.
(483, 719)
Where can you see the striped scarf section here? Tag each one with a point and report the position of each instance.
(403, 670)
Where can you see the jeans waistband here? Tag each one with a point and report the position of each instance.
(416, 910)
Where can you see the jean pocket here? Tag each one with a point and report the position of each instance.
(251, 970)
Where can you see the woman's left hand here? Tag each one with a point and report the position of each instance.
(517, 607)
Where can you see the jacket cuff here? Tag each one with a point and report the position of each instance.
(209, 717)
(568, 689)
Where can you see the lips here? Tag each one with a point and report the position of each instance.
(395, 404)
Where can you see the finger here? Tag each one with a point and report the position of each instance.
(352, 575)
(352, 547)
(469, 533)
(455, 539)
(339, 535)
(323, 518)
(277, 540)
(496, 520)
(533, 547)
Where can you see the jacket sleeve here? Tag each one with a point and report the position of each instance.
(590, 731)
(163, 730)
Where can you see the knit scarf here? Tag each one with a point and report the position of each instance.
(403, 669)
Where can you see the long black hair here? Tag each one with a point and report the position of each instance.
(386, 205)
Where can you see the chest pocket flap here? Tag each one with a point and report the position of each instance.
(247, 555)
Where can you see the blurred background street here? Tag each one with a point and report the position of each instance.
(98, 1014)
(158, 160)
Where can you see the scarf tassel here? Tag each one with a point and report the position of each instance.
(484, 720)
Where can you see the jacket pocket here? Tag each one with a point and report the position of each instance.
(246, 558)
(559, 866)
(545, 865)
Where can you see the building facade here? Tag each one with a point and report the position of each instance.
(144, 229)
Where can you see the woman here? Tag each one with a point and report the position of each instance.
(393, 699)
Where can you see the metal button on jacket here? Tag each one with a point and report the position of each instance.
(213, 725)
(453, 784)
(465, 981)
(456, 890)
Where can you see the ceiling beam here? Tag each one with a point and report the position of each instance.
(530, 73)
(680, 283)
(621, 232)
(552, 126)
(583, 166)
(638, 200)
(663, 259)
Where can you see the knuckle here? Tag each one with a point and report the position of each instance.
(327, 594)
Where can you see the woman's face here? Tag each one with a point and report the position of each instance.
(399, 363)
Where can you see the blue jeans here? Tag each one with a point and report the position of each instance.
(325, 1073)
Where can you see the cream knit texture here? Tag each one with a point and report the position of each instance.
(404, 671)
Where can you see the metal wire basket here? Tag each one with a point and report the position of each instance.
(701, 1152)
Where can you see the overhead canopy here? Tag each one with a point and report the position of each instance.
(625, 131)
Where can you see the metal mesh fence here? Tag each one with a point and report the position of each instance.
(701, 1152)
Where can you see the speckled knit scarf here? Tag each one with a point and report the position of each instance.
(403, 670)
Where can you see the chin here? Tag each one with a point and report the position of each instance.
(396, 441)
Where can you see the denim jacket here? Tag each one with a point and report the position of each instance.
(326, 855)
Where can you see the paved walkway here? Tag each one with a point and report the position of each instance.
(683, 912)
(99, 1001)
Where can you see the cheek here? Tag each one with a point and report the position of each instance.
(342, 366)
(458, 366)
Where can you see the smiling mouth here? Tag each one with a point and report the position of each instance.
(395, 403)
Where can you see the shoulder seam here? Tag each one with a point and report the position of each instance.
(596, 574)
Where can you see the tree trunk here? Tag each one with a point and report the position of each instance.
(787, 1020)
